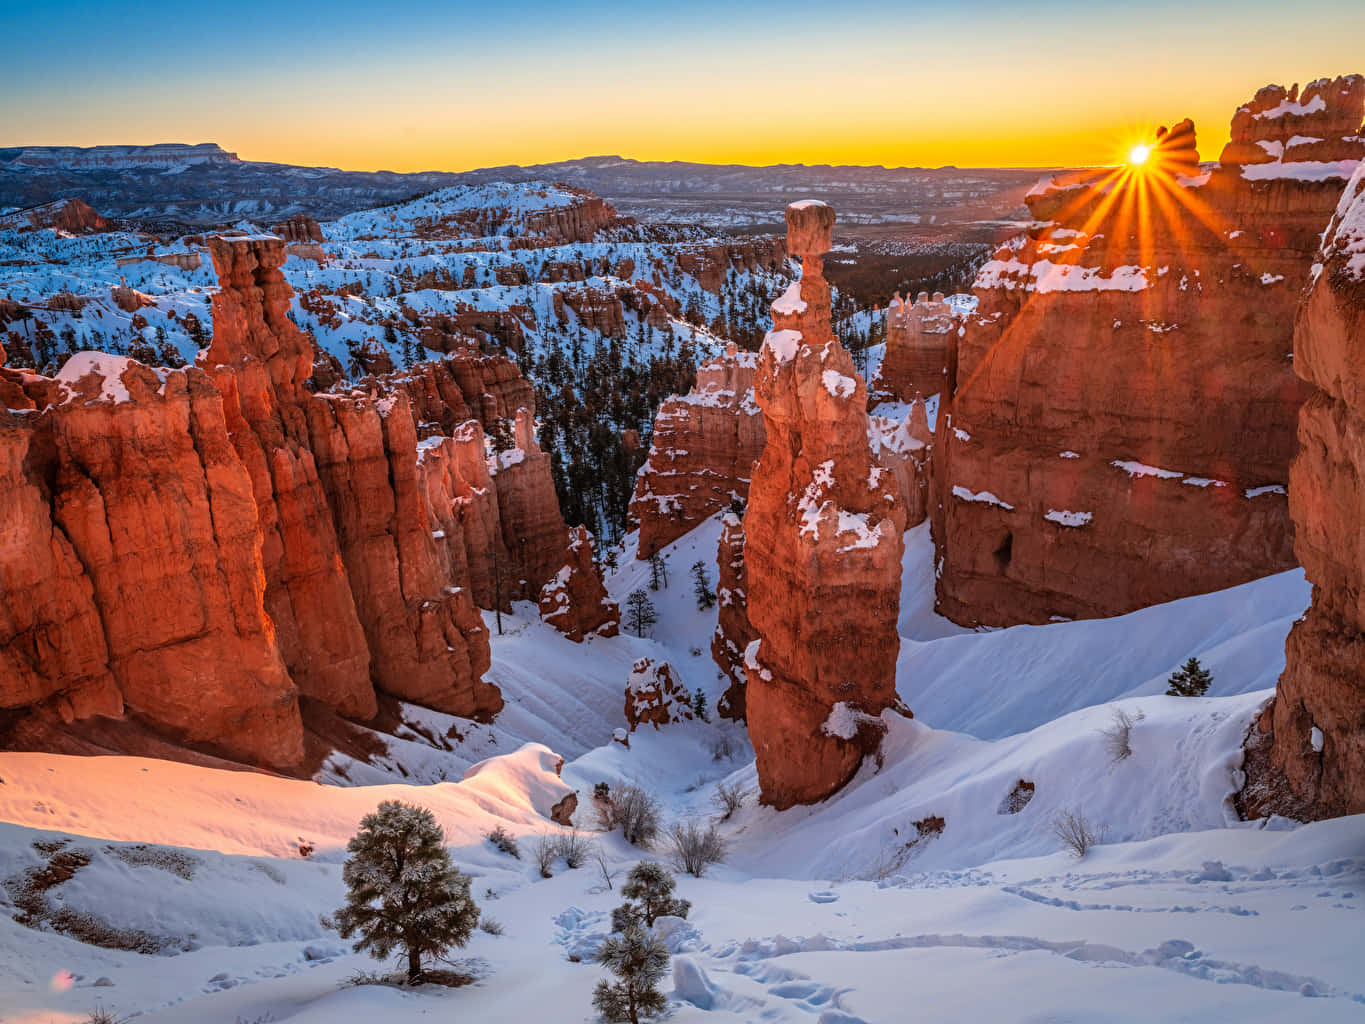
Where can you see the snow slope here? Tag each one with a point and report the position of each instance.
(928, 889)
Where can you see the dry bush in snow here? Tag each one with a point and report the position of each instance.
(633, 811)
(727, 800)
(1118, 737)
(1076, 832)
(695, 847)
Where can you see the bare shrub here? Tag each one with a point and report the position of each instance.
(491, 925)
(100, 1015)
(633, 811)
(574, 847)
(504, 841)
(1076, 832)
(1118, 736)
(722, 748)
(727, 800)
(546, 852)
(695, 847)
(608, 873)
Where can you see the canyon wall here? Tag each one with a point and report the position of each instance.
(191, 552)
(1308, 758)
(702, 453)
(917, 338)
(1120, 413)
(822, 548)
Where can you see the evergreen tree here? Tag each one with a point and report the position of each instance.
(699, 705)
(403, 893)
(701, 585)
(640, 613)
(1191, 680)
(658, 572)
(640, 960)
(649, 895)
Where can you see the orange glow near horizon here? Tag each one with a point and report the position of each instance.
(461, 85)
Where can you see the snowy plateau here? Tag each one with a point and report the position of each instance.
(833, 914)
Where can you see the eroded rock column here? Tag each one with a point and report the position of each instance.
(823, 545)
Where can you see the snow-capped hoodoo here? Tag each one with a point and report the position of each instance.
(822, 552)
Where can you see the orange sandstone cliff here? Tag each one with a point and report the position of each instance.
(702, 453)
(1119, 415)
(1308, 759)
(190, 553)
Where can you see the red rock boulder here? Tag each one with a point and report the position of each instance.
(574, 601)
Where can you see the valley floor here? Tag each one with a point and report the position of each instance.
(834, 914)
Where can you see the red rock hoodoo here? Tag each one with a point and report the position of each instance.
(191, 551)
(1120, 412)
(574, 601)
(655, 696)
(702, 453)
(1308, 761)
(917, 336)
(822, 549)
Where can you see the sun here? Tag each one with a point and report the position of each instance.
(1139, 154)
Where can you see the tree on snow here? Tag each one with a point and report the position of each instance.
(701, 586)
(658, 572)
(403, 893)
(1190, 680)
(640, 960)
(640, 613)
(649, 895)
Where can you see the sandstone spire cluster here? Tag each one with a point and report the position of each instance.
(822, 552)
(189, 553)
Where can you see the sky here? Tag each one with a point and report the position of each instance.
(455, 86)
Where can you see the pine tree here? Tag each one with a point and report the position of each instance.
(649, 895)
(403, 893)
(701, 584)
(1191, 680)
(658, 572)
(699, 705)
(640, 960)
(640, 613)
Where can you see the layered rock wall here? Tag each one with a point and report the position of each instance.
(194, 550)
(1309, 759)
(734, 633)
(822, 549)
(702, 453)
(917, 337)
(1121, 410)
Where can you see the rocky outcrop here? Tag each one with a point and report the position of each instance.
(574, 601)
(299, 228)
(1308, 757)
(655, 696)
(73, 216)
(533, 532)
(733, 633)
(197, 549)
(1120, 413)
(710, 264)
(917, 336)
(131, 561)
(702, 453)
(822, 550)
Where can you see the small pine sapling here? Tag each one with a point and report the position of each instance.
(639, 960)
(1190, 680)
(699, 705)
(649, 890)
(701, 586)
